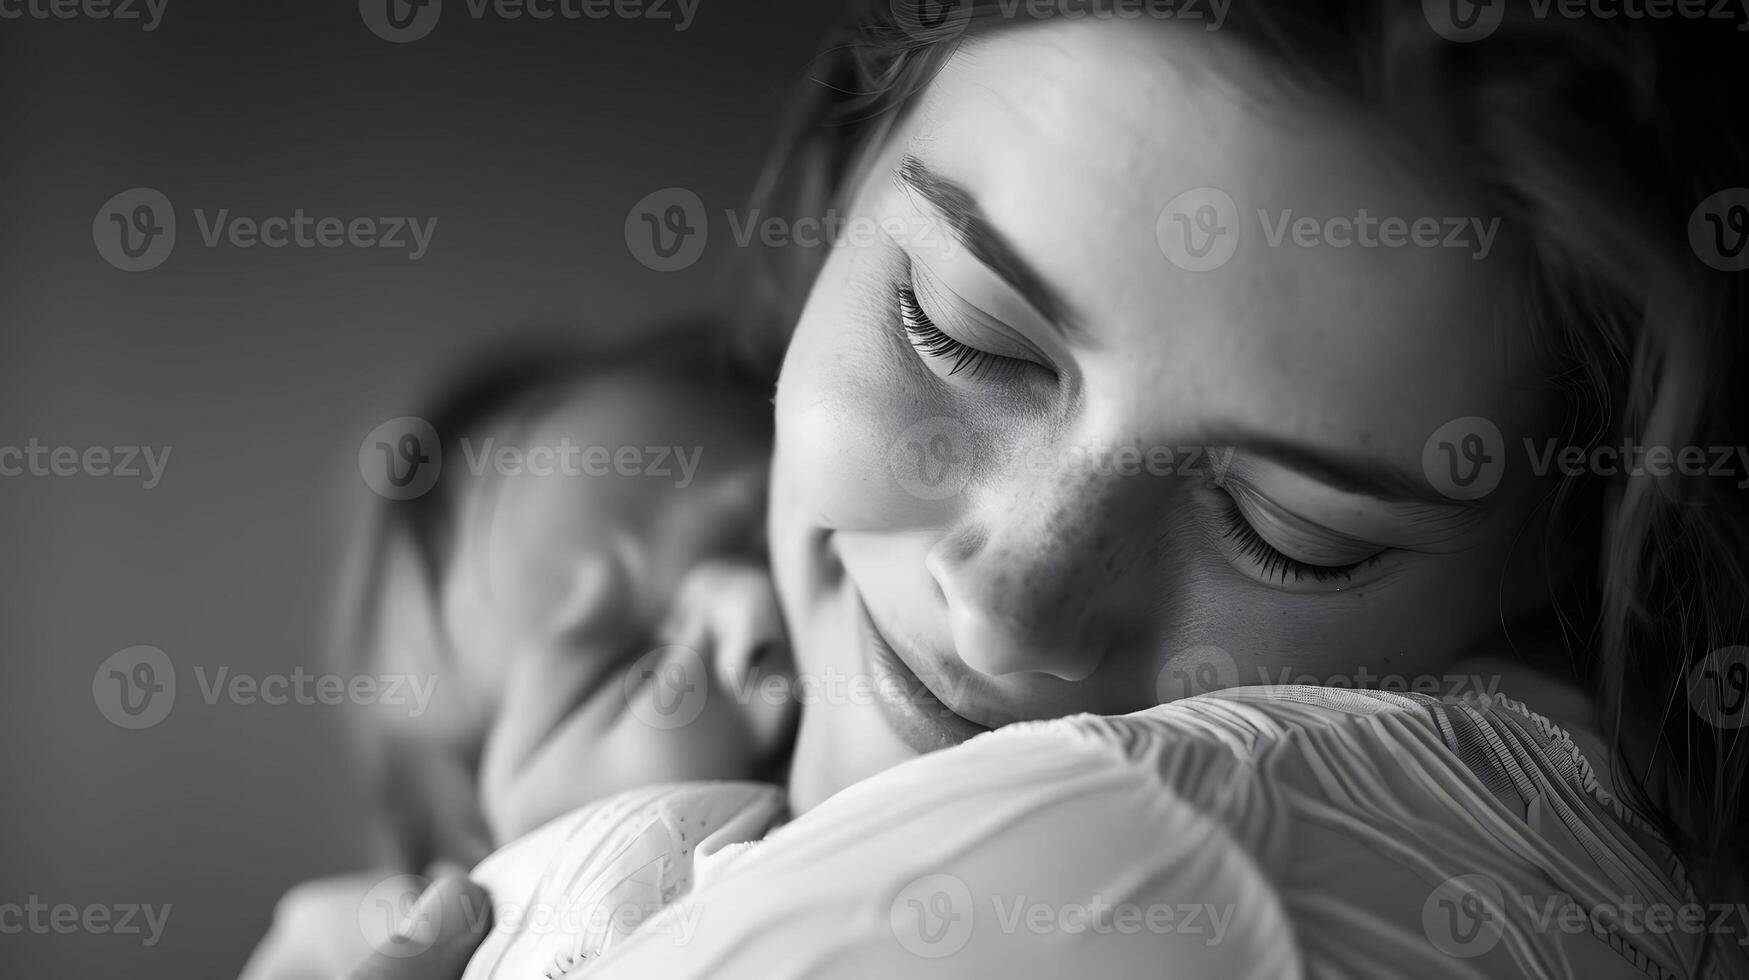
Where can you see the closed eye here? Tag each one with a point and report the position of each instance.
(954, 356)
(1277, 566)
(1266, 562)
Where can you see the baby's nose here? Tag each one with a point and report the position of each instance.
(727, 611)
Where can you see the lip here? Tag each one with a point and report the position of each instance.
(919, 717)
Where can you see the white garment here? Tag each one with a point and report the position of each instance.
(1254, 832)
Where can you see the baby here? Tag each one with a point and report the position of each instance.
(586, 583)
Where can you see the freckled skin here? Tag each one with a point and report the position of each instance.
(1071, 590)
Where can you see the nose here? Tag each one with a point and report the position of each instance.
(728, 612)
(1046, 578)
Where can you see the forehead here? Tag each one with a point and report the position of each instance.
(637, 457)
(1078, 140)
(621, 445)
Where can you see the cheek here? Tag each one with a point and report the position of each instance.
(474, 637)
(1402, 633)
(851, 398)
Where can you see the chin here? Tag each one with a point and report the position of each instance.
(843, 735)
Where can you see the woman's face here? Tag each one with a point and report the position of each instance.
(1038, 453)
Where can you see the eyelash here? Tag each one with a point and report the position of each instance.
(930, 341)
(1278, 566)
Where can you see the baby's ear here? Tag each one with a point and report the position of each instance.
(599, 591)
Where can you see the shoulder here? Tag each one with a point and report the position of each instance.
(1145, 845)
(1255, 832)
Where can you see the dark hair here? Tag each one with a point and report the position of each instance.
(1599, 138)
(518, 380)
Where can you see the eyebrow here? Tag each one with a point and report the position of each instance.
(983, 240)
(1358, 475)
(1350, 474)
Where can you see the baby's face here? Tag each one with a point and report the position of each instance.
(606, 599)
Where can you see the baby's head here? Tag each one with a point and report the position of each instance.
(587, 584)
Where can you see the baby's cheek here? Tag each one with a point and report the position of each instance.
(717, 744)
